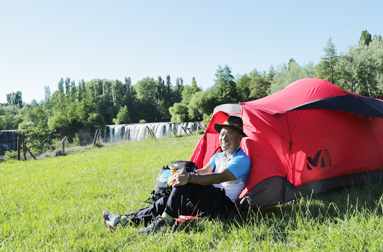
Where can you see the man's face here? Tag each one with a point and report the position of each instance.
(229, 139)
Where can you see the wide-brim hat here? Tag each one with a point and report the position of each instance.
(233, 122)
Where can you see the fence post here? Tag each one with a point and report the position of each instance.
(95, 137)
(30, 152)
(63, 143)
(18, 146)
(174, 132)
(151, 132)
(185, 130)
(25, 151)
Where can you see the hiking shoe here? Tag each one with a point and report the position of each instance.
(112, 220)
(157, 224)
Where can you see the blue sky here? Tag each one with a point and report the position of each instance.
(43, 41)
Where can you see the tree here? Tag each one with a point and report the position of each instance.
(34, 113)
(39, 138)
(177, 90)
(360, 70)
(146, 94)
(146, 89)
(179, 112)
(377, 37)
(291, 63)
(81, 89)
(224, 88)
(130, 99)
(61, 93)
(271, 74)
(80, 114)
(97, 88)
(160, 89)
(67, 88)
(73, 90)
(188, 91)
(122, 116)
(163, 110)
(242, 87)
(12, 121)
(111, 113)
(128, 84)
(201, 104)
(326, 68)
(365, 38)
(259, 86)
(344, 70)
(114, 92)
(118, 92)
(15, 98)
(169, 95)
(87, 114)
(48, 95)
(3, 123)
(105, 88)
(286, 75)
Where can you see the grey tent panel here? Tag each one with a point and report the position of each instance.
(347, 103)
(230, 108)
(277, 190)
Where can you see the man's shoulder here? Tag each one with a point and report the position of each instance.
(242, 158)
(242, 154)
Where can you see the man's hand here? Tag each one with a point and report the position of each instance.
(206, 176)
(180, 178)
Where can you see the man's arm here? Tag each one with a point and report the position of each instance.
(207, 169)
(206, 176)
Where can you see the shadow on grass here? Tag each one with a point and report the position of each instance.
(338, 205)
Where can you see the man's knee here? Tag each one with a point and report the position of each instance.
(162, 201)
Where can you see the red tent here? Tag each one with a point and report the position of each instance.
(311, 136)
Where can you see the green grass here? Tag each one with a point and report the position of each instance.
(56, 204)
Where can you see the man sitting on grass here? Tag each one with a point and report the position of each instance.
(209, 191)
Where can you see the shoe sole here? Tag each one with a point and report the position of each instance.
(107, 222)
(110, 225)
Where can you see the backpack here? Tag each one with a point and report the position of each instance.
(162, 188)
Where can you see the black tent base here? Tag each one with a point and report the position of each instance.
(277, 190)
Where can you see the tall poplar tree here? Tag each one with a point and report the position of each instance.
(177, 92)
(73, 90)
(61, 93)
(67, 87)
(48, 95)
(169, 95)
(160, 89)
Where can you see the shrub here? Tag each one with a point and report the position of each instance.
(76, 141)
(206, 118)
(122, 116)
(9, 155)
(3, 123)
(39, 138)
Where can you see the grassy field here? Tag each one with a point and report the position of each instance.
(56, 204)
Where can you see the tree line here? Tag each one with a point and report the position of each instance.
(100, 101)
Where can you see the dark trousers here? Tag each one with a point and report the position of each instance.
(187, 200)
